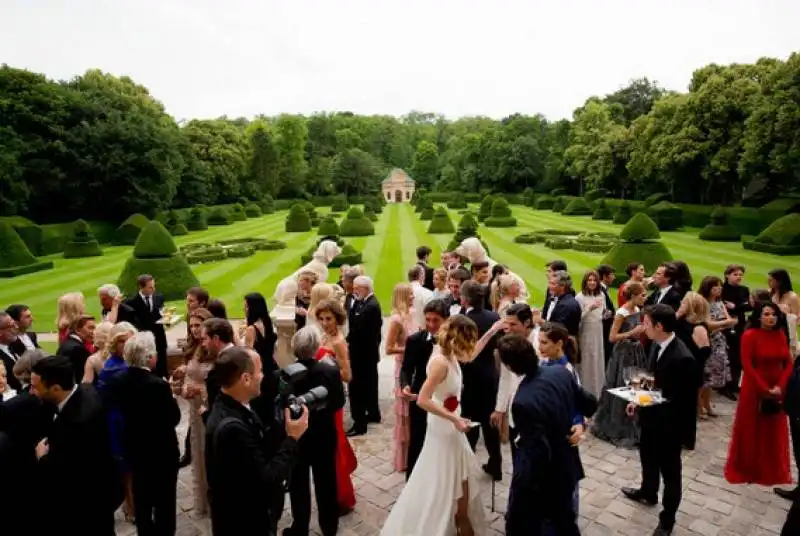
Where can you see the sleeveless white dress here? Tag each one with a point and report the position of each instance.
(427, 505)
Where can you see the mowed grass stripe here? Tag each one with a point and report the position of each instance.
(421, 236)
(382, 255)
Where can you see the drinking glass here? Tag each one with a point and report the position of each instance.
(626, 375)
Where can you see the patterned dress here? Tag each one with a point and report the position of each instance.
(401, 421)
(718, 370)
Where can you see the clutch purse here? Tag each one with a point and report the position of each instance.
(769, 406)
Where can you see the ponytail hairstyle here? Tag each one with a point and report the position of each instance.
(558, 333)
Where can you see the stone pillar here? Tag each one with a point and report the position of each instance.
(283, 318)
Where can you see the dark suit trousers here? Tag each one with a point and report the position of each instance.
(660, 456)
(792, 525)
(538, 514)
(735, 358)
(418, 426)
(322, 464)
(154, 496)
(491, 438)
(363, 391)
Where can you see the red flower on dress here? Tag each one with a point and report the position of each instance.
(451, 403)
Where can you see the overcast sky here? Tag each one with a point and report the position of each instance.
(205, 58)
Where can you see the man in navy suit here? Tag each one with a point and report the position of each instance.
(546, 465)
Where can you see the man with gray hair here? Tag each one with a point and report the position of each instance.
(562, 307)
(364, 340)
(113, 307)
(305, 343)
(349, 275)
(150, 444)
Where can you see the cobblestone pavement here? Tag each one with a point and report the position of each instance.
(710, 506)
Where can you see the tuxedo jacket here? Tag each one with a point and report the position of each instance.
(676, 419)
(481, 376)
(19, 348)
(74, 349)
(672, 298)
(9, 359)
(566, 312)
(364, 335)
(147, 319)
(428, 284)
(125, 313)
(413, 371)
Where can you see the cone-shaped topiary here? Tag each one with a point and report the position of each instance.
(457, 201)
(486, 207)
(441, 222)
(667, 216)
(155, 254)
(340, 204)
(640, 243)
(267, 205)
(718, 230)
(426, 214)
(577, 207)
(370, 214)
(501, 215)
(219, 216)
(197, 220)
(15, 257)
(128, 231)
(328, 227)
(782, 237)
(179, 230)
(602, 212)
(237, 212)
(298, 220)
(356, 224)
(467, 227)
(83, 242)
(623, 213)
(252, 211)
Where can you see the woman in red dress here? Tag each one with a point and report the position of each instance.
(759, 449)
(331, 317)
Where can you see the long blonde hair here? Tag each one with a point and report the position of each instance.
(319, 292)
(101, 335)
(401, 295)
(457, 338)
(117, 331)
(696, 308)
(500, 288)
(70, 307)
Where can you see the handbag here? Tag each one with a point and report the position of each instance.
(769, 406)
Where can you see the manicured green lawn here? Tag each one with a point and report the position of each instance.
(387, 256)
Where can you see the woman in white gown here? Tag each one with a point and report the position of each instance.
(442, 496)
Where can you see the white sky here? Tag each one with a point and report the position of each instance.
(205, 58)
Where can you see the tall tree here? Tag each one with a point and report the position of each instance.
(425, 167)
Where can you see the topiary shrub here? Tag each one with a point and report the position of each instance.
(370, 215)
(253, 211)
(237, 213)
(377, 203)
(197, 220)
(577, 207)
(441, 222)
(639, 243)
(83, 242)
(655, 199)
(667, 216)
(602, 212)
(15, 258)
(219, 216)
(340, 204)
(356, 224)
(719, 230)
(298, 220)
(467, 227)
(598, 193)
(328, 226)
(486, 207)
(781, 237)
(544, 202)
(267, 205)
(179, 230)
(32, 235)
(501, 215)
(426, 214)
(423, 203)
(457, 201)
(558, 243)
(528, 197)
(623, 214)
(559, 204)
(312, 212)
(155, 254)
(128, 231)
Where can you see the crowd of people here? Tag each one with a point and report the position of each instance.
(96, 423)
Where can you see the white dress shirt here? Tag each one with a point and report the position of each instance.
(663, 345)
(550, 308)
(662, 292)
(7, 350)
(26, 340)
(421, 298)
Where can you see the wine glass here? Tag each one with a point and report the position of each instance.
(626, 376)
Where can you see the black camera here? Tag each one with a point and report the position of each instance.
(293, 380)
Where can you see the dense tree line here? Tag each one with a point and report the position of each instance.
(101, 147)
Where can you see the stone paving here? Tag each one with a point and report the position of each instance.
(710, 506)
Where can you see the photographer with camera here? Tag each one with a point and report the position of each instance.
(317, 448)
(246, 470)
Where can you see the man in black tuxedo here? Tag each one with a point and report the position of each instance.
(150, 444)
(364, 340)
(561, 305)
(423, 255)
(217, 337)
(665, 292)
(481, 379)
(454, 281)
(76, 345)
(348, 276)
(791, 404)
(148, 304)
(77, 452)
(109, 296)
(736, 298)
(553, 267)
(9, 357)
(670, 426)
(607, 276)
(26, 338)
(413, 374)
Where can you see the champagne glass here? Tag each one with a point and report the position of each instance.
(626, 376)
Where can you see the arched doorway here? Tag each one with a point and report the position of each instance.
(398, 196)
